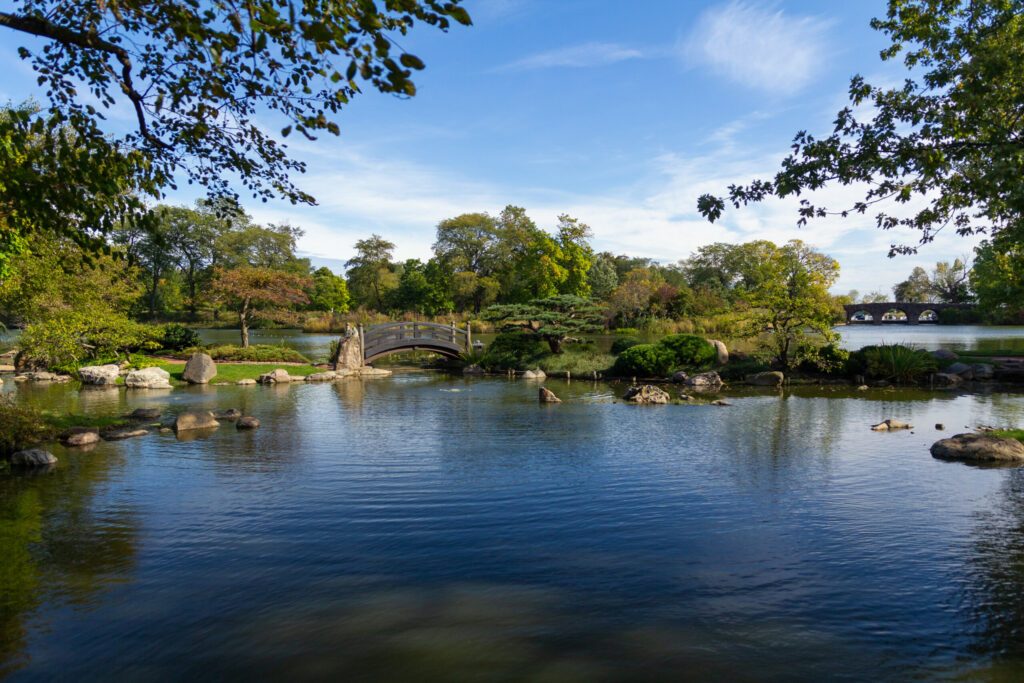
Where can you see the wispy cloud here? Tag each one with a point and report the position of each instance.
(576, 56)
(758, 46)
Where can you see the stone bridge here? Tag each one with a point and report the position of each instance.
(889, 312)
(361, 346)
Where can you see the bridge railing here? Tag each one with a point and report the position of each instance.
(389, 335)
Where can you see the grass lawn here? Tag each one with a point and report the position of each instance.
(232, 372)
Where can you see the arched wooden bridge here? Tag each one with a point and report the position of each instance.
(912, 313)
(383, 340)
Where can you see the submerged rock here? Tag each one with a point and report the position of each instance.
(328, 376)
(199, 369)
(771, 378)
(99, 374)
(76, 438)
(472, 369)
(144, 414)
(33, 457)
(891, 425)
(367, 371)
(978, 448)
(548, 396)
(229, 414)
(200, 419)
(148, 378)
(121, 434)
(647, 394)
(246, 382)
(720, 402)
(947, 379)
(247, 422)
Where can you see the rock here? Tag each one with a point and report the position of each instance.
(863, 387)
(322, 377)
(229, 414)
(890, 425)
(367, 371)
(983, 371)
(148, 378)
(246, 382)
(548, 396)
(473, 369)
(33, 457)
(685, 397)
(534, 374)
(705, 380)
(81, 438)
(720, 402)
(680, 377)
(958, 368)
(772, 378)
(120, 434)
(144, 414)
(945, 379)
(278, 376)
(350, 352)
(21, 378)
(647, 393)
(200, 419)
(199, 369)
(720, 350)
(939, 426)
(7, 368)
(247, 422)
(978, 448)
(944, 354)
(99, 374)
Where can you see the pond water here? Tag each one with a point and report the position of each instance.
(420, 527)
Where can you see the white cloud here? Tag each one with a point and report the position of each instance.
(576, 56)
(757, 46)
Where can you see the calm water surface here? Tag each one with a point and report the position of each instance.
(425, 528)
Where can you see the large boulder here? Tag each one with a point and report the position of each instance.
(197, 419)
(704, 380)
(771, 378)
(548, 396)
(199, 369)
(278, 376)
(721, 350)
(33, 457)
(979, 448)
(350, 352)
(99, 374)
(646, 394)
(148, 378)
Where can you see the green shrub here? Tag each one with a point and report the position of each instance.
(258, 353)
(68, 339)
(177, 337)
(577, 362)
(512, 351)
(829, 359)
(894, 362)
(20, 427)
(620, 345)
(690, 350)
(644, 360)
(626, 331)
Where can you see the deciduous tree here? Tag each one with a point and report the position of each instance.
(260, 294)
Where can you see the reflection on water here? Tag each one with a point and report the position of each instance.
(428, 528)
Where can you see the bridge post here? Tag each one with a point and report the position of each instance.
(469, 336)
(362, 340)
(453, 332)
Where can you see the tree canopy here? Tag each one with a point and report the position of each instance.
(947, 145)
(554, 320)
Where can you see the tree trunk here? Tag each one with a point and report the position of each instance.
(243, 324)
(191, 292)
(555, 344)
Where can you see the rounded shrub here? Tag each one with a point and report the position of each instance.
(689, 350)
(644, 360)
(620, 345)
(512, 351)
(177, 337)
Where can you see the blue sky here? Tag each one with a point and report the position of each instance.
(619, 113)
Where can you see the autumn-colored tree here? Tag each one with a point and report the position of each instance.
(260, 294)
